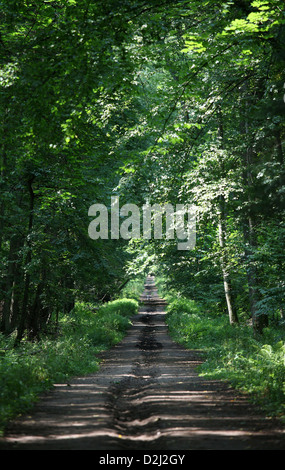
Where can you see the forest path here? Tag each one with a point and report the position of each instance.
(146, 396)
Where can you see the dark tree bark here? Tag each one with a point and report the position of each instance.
(24, 309)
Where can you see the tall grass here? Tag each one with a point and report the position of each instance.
(233, 353)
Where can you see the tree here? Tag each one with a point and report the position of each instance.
(133, 99)
(244, 39)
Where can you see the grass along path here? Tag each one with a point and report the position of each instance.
(147, 395)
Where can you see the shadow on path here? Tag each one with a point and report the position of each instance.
(146, 396)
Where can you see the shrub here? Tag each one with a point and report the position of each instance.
(112, 321)
(124, 307)
(233, 353)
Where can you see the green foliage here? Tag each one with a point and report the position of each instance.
(64, 95)
(121, 98)
(254, 365)
(124, 307)
(133, 289)
(112, 321)
(181, 305)
(34, 367)
(129, 99)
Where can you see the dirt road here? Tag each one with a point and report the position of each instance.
(146, 396)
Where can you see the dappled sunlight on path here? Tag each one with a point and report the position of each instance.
(147, 395)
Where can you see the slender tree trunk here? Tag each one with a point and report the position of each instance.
(233, 318)
(15, 301)
(6, 324)
(259, 320)
(3, 171)
(39, 314)
(24, 310)
(33, 321)
(10, 294)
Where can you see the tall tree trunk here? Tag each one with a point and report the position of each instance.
(39, 314)
(259, 320)
(233, 318)
(69, 302)
(15, 301)
(24, 309)
(33, 321)
(3, 169)
(10, 286)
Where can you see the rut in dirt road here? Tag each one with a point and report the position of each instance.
(146, 396)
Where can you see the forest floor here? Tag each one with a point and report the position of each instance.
(146, 396)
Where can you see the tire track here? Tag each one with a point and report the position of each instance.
(146, 396)
(132, 417)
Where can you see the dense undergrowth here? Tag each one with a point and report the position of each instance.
(33, 367)
(255, 365)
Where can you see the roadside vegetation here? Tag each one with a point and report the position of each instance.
(151, 103)
(33, 367)
(254, 364)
